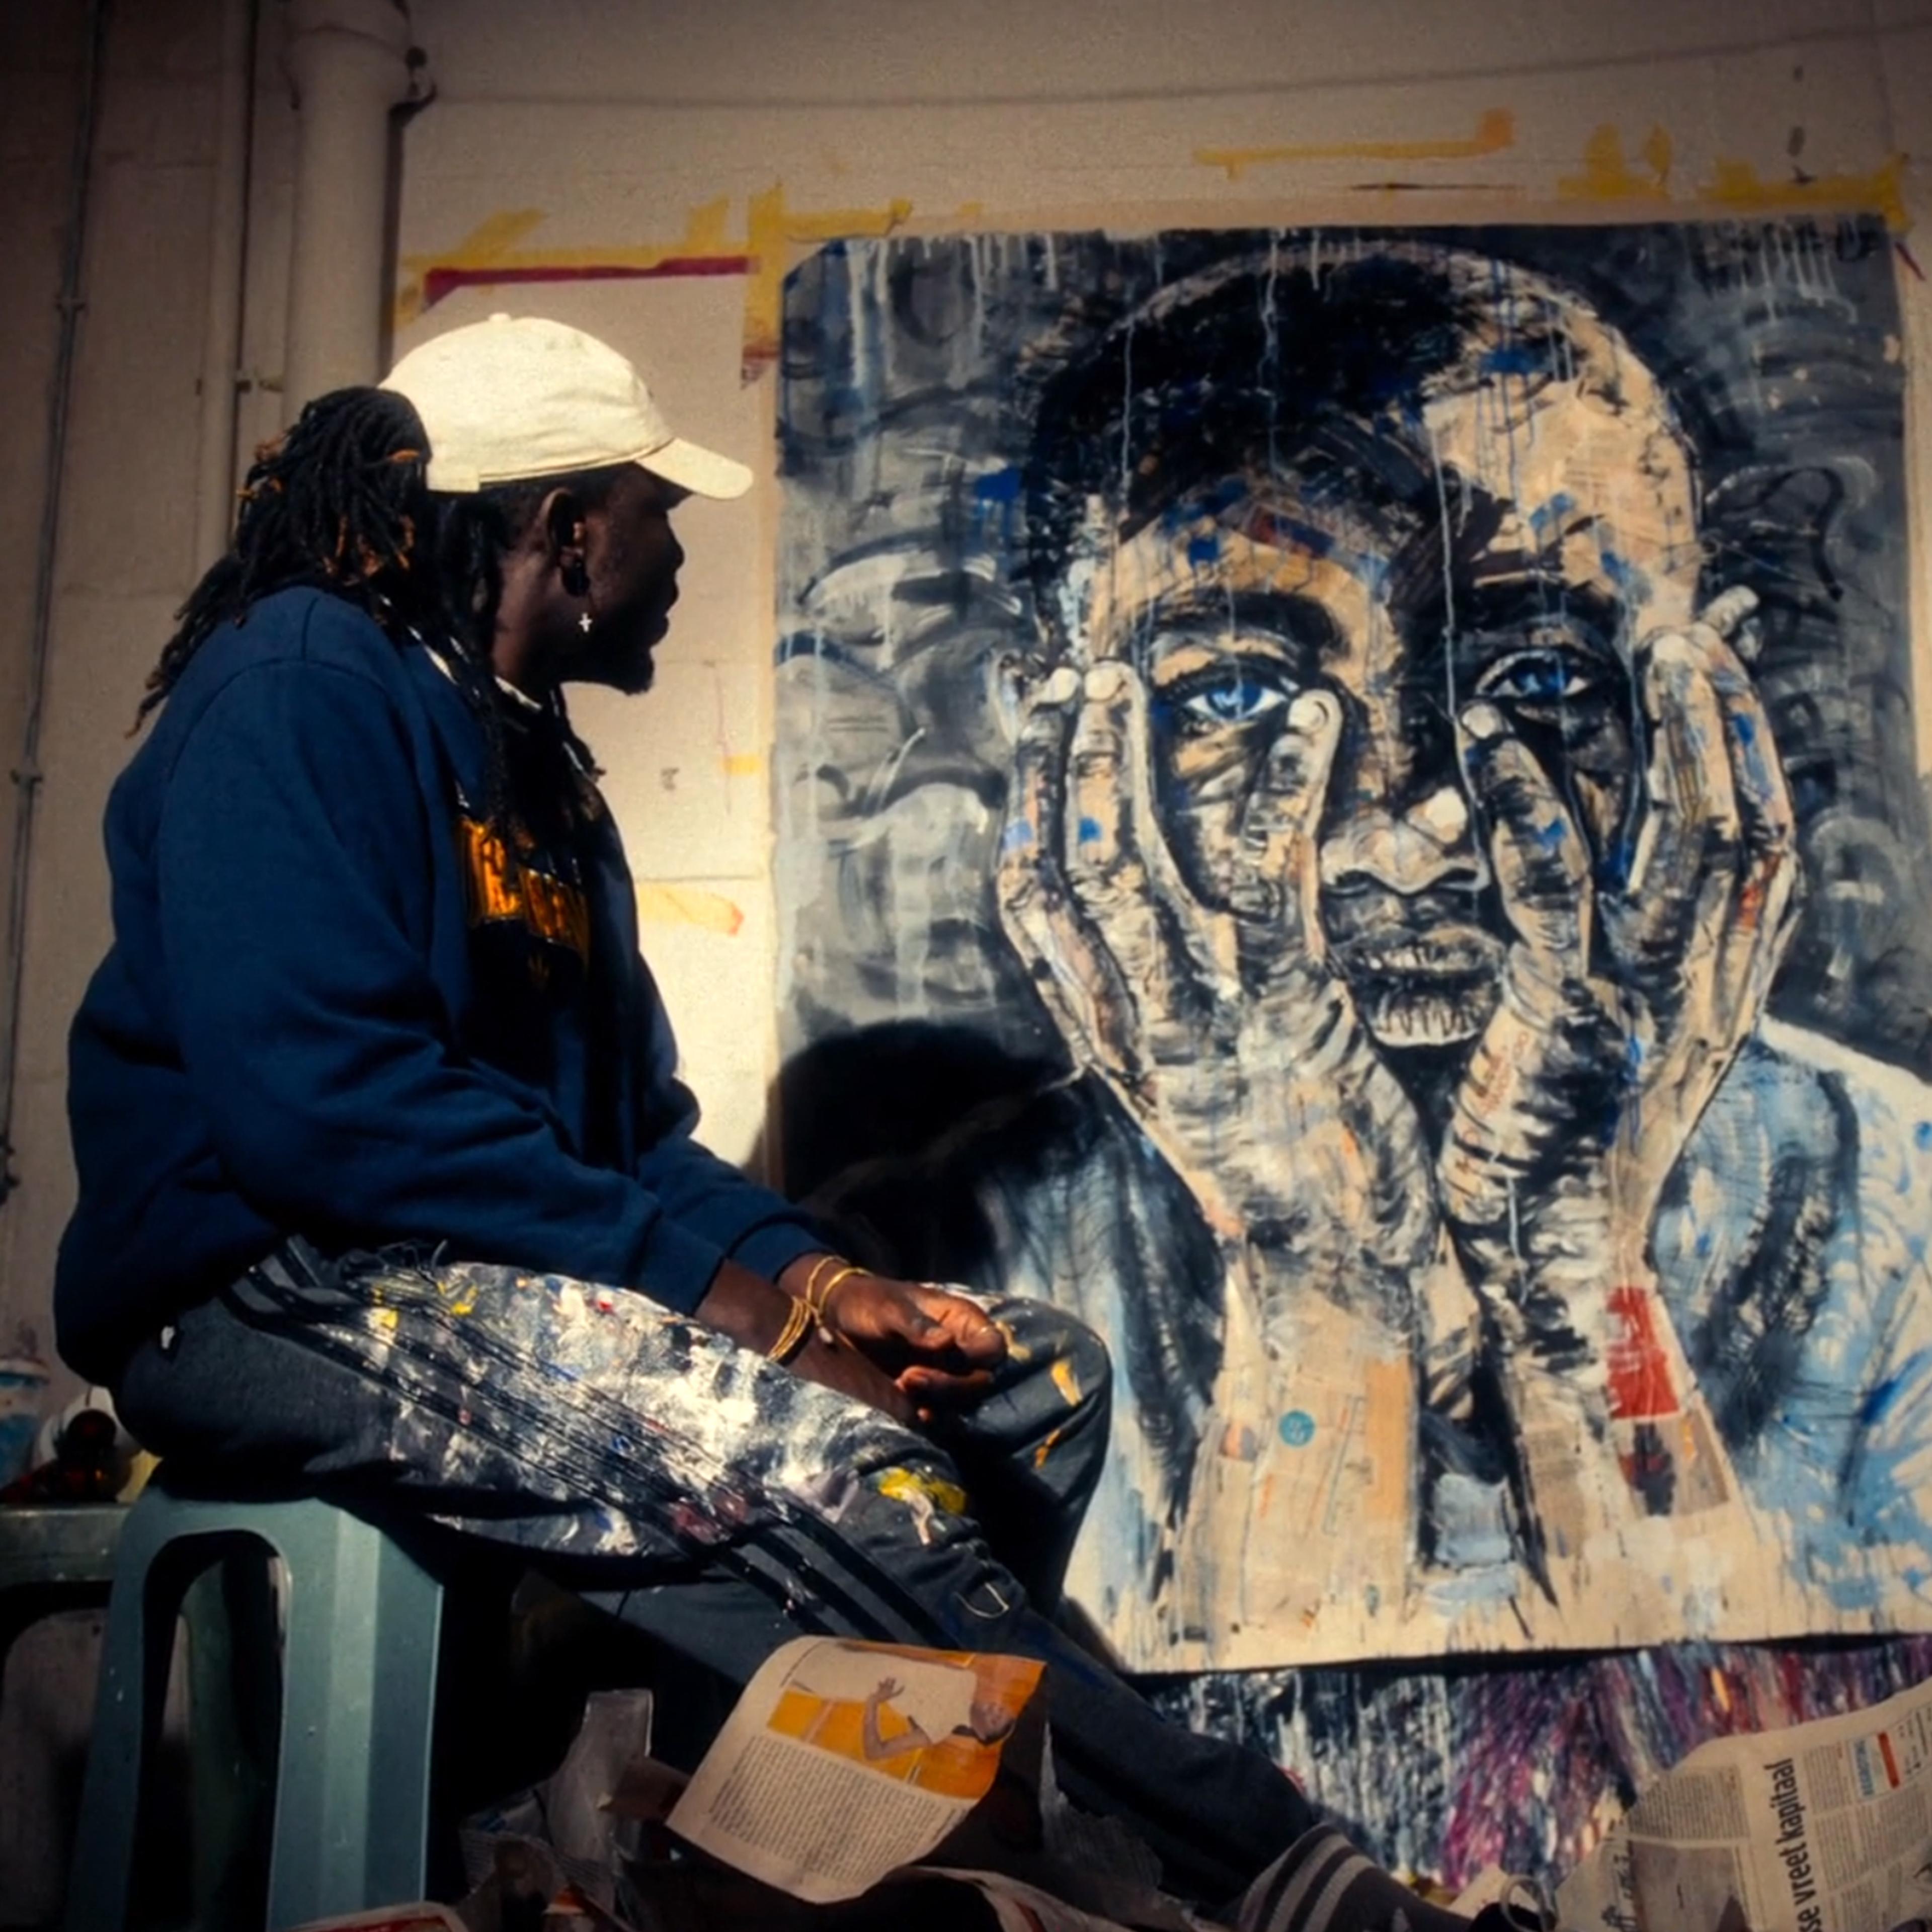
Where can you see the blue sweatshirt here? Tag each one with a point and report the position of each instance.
(339, 1004)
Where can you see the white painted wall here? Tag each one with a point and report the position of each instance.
(601, 125)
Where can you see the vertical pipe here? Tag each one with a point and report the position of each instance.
(27, 774)
(348, 62)
(221, 335)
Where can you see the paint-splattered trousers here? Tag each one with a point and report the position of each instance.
(705, 1494)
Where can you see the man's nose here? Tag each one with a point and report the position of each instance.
(1429, 842)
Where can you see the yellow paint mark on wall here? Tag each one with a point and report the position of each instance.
(1736, 185)
(762, 255)
(772, 230)
(484, 246)
(1495, 131)
(660, 903)
(1607, 177)
(744, 764)
(493, 245)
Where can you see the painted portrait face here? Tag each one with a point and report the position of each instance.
(1559, 531)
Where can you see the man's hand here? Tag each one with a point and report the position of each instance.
(753, 1312)
(904, 1348)
(1222, 1032)
(939, 1348)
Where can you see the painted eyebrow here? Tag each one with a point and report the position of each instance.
(1541, 598)
(1302, 623)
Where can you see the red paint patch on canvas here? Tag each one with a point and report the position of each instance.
(1640, 1389)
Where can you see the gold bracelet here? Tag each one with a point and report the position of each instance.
(792, 1336)
(818, 1268)
(818, 1300)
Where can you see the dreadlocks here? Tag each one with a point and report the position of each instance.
(340, 503)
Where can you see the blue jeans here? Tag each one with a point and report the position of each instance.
(706, 1494)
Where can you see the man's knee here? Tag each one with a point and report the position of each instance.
(1047, 1341)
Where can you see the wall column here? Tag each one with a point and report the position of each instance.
(347, 61)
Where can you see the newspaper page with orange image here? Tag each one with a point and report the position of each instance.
(843, 1761)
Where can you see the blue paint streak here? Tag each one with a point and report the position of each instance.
(995, 496)
(1559, 506)
(1631, 580)
(1089, 831)
(1881, 1399)
(1017, 835)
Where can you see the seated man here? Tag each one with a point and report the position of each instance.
(387, 1185)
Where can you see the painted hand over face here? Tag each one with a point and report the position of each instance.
(1215, 1020)
(1586, 1083)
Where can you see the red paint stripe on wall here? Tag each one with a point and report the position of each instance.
(439, 283)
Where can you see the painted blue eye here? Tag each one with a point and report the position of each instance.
(1234, 699)
(1543, 675)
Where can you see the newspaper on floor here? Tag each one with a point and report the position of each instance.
(1823, 1827)
(843, 1761)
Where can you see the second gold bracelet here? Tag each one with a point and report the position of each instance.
(791, 1338)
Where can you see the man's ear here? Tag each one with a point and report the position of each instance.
(561, 518)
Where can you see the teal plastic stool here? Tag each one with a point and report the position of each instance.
(362, 1627)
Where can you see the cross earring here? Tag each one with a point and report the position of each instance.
(583, 623)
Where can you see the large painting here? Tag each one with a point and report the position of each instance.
(1349, 810)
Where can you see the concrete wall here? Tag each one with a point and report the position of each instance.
(39, 63)
(126, 526)
(604, 133)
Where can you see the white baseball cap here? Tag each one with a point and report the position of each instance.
(517, 397)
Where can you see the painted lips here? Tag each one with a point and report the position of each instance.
(1403, 952)
(1422, 985)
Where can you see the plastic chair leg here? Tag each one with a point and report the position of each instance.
(357, 1691)
(352, 1822)
(137, 1646)
(235, 1702)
